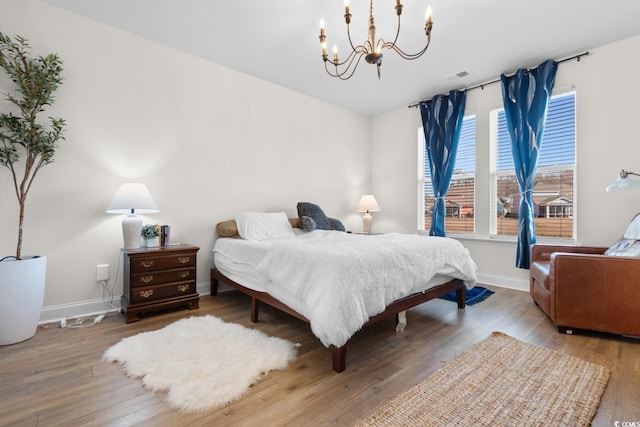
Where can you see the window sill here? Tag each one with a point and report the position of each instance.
(504, 240)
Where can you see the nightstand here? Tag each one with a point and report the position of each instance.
(159, 278)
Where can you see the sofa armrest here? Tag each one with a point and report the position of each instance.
(542, 252)
(596, 292)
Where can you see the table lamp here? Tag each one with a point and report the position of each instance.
(132, 199)
(367, 205)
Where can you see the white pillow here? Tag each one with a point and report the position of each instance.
(263, 225)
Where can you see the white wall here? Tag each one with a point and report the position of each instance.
(607, 141)
(207, 141)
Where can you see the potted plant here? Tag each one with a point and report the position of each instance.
(150, 233)
(26, 145)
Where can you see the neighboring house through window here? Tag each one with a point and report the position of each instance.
(460, 199)
(554, 188)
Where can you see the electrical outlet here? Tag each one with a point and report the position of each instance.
(102, 272)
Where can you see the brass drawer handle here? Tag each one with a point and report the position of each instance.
(147, 263)
(146, 279)
(183, 260)
(184, 274)
(146, 293)
(183, 288)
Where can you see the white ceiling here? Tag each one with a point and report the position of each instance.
(277, 40)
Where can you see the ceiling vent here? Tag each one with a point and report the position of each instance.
(458, 75)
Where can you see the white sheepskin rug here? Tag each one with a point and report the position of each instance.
(201, 362)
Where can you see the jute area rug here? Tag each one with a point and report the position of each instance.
(201, 362)
(501, 381)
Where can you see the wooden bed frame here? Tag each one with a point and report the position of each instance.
(339, 354)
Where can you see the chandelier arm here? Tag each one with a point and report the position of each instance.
(367, 47)
(354, 67)
(386, 45)
(341, 75)
(397, 33)
(410, 56)
(359, 50)
(349, 37)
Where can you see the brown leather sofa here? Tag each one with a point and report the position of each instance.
(581, 288)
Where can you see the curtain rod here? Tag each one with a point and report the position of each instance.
(482, 85)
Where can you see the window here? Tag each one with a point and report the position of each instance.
(553, 191)
(459, 199)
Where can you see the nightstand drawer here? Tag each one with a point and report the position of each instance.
(163, 262)
(159, 277)
(150, 293)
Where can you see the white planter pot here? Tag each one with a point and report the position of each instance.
(151, 243)
(21, 297)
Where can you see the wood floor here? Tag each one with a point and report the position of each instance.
(58, 378)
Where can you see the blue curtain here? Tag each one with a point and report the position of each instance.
(526, 98)
(441, 121)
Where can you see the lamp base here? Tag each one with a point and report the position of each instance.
(131, 229)
(367, 219)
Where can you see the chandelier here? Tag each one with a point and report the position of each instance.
(370, 49)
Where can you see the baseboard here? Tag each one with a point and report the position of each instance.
(55, 313)
(204, 288)
(504, 282)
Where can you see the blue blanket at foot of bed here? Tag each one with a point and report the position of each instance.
(475, 295)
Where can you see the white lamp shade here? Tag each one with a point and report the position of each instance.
(623, 183)
(368, 203)
(132, 198)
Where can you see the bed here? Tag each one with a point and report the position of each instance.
(337, 282)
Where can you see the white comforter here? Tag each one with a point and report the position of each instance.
(339, 280)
